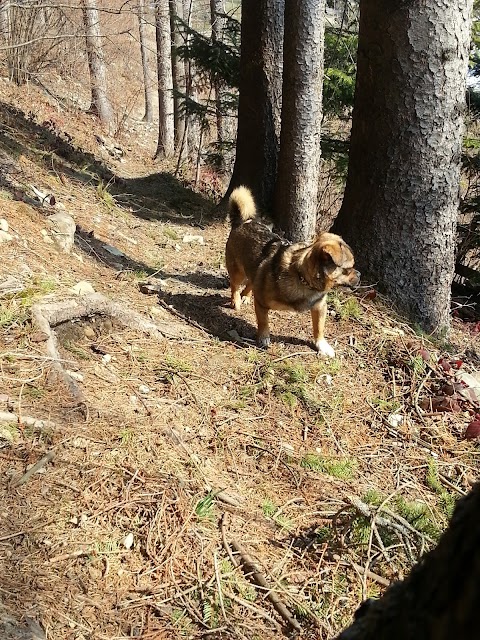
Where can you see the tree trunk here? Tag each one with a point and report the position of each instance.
(147, 85)
(178, 69)
(165, 146)
(439, 599)
(260, 99)
(6, 36)
(100, 105)
(217, 20)
(299, 157)
(400, 206)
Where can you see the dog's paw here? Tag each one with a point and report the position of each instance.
(324, 348)
(263, 342)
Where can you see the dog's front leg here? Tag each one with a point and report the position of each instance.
(263, 332)
(319, 315)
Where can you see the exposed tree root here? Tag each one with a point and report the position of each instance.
(47, 316)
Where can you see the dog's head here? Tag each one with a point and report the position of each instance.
(331, 260)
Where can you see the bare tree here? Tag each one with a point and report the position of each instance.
(100, 104)
(178, 71)
(166, 131)
(299, 157)
(142, 31)
(259, 100)
(401, 200)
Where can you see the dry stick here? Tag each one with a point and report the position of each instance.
(36, 467)
(369, 574)
(252, 570)
(176, 313)
(68, 556)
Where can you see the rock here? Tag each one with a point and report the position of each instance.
(3, 224)
(82, 288)
(46, 238)
(75, 375)
(150, 288)
(62, 227)
(113, 251)
(128, 541)
(89, 332)
(191, 238)
(5, 237)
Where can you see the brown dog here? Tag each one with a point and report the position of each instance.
(283, 276)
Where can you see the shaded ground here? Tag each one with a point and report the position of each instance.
(120, 535)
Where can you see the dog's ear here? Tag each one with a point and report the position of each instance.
(334, 251)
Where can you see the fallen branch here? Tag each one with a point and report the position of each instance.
(36, 467)
(253, 571)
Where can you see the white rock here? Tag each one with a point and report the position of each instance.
(3, 224)
(5, 237)
(63, 228)
(46, 238)
(106, 358)
(128, 541)
(395, 420)
(144, 389)
(191, 238)
(75, 375)
(82, 288)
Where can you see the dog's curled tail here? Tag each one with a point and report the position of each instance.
(241, 206)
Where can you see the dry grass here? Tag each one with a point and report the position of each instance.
(120, 535)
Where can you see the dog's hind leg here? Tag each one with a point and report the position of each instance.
(319, 315)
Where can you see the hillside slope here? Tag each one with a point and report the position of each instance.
(334, 475)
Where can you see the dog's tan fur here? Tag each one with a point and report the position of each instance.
(283, 276)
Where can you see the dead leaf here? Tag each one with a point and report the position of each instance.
(473, 430)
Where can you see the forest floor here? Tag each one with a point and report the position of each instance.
(169, 451)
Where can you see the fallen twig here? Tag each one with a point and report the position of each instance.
(68, 556)
(36, 467)
(252, 570)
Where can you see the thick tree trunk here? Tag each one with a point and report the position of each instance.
(260, 99)
(178, 69)
(216, 19)
(165, 147)
(96, 62)
(147, 84)
(299, 157)
(439, 599)
(401, 199)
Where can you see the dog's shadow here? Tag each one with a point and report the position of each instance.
(214, 314)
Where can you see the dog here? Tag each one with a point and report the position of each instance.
(282, 275)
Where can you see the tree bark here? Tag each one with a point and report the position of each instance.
(439, 599)
(100, 105)
(216, 19)
(401, 199)
(259, 103)
(147, 85)
(166, 131)
(299, 157)
(178, 69)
